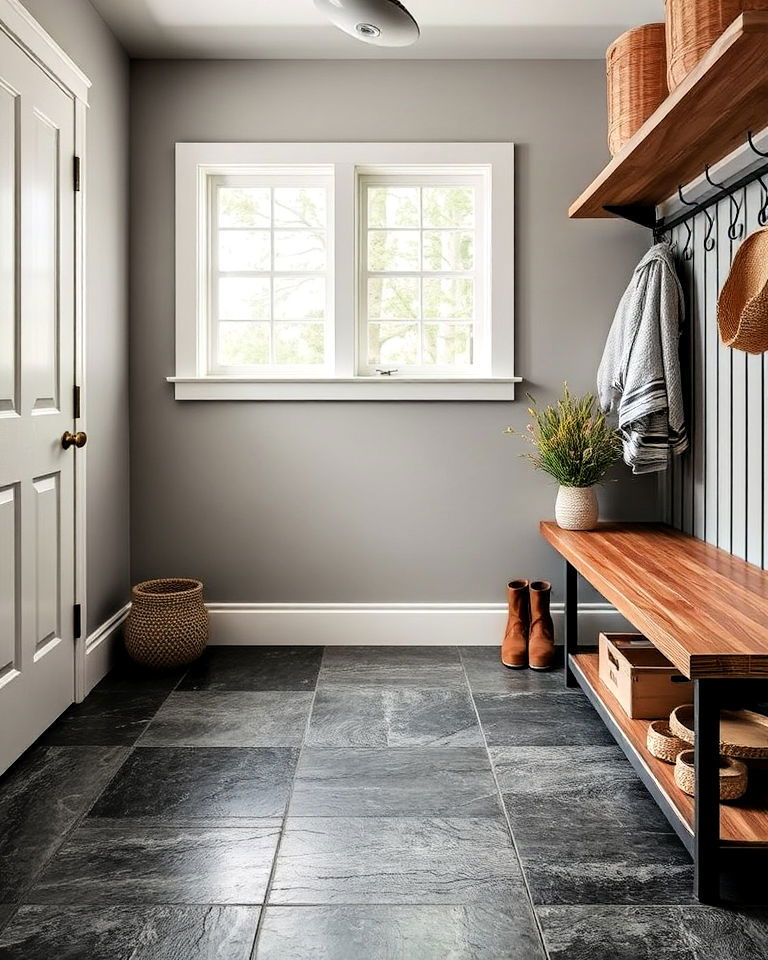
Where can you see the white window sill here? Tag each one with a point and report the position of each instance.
(351, 388)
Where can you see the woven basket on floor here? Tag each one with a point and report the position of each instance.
(662, 743)
(636, 71)
(733, 776)
(168, 623)
(692, 28)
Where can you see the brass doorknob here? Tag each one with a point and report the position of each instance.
(78, 439)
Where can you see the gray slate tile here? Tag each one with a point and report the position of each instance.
(207, 718)
(41, 797)
(345, 717)
(255, 668)
(487, 674)
(6, 911)
(134, 863)
(140, 933)
(466, 932)
(396, 781)
(127, 676)
(535, 718)
(421, 667)
(396, 860)
(104, 720)
(167, 783)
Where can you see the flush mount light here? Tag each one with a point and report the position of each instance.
(385, 23)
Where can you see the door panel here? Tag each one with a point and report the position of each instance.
(37, 363)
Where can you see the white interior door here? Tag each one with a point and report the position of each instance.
(37, 368)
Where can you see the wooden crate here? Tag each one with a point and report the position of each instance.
(646, 684)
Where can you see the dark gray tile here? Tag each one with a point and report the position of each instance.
(6, 910)
(467, 932)
(134, 863)
(104, 720)
(487, 674)
(396, 781)
(345, 717)
(167, 783)
(130, 933)
(654, 933)
(396, 860)
(605, 866)
(127, 676)
(587, 787)
(255, 668)
(530, 719)
(423, 667)
(41, 797)
(207, 718)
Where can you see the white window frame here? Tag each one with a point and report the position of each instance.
(197, 163)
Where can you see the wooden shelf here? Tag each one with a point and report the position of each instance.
(700, 122)
(741, 823)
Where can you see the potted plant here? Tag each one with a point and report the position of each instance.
(575, 445)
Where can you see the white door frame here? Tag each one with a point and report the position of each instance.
(26, 32)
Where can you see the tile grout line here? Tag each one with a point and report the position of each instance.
(270, 879)
(531, 904)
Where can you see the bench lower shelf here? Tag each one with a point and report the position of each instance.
(744, 823)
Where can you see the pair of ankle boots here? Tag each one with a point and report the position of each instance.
(529, 640)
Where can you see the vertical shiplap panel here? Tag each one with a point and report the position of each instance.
(738, 418)
(687, 342)
(676, 466)
(724, 394)
(698, 422)
(708, 260)
(755, 425)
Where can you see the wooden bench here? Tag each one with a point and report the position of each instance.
(707, 611)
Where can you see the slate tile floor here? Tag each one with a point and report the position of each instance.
(344, 804)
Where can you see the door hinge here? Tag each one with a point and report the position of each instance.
(76, 173)
(77, 621)
(75, 402)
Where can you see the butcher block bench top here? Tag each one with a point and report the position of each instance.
(705, 609)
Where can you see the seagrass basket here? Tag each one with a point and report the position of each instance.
(662, 743)
(636, 72)
(168, 624)
(733, 776)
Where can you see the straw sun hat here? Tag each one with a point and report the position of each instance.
(742, 309)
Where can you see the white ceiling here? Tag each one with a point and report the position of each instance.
(451, 29)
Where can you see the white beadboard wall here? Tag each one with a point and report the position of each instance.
(717, 491)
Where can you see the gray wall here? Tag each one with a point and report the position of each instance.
(369, 501)
(79, 29)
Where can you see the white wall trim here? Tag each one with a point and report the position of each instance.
(21, 26)
(100, 649)
(370, 624)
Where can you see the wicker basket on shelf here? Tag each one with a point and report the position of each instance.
(168, 623)
(636, 69)
(733, 776)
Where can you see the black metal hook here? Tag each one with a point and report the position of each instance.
(709, 241)
(735, 229)
(762, 214)
(751, 143)
(688, 248)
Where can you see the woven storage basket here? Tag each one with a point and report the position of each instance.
(733, 776)
(662, 743)
(168, 623)
(692, 28)
(743, 733)
(636, 71)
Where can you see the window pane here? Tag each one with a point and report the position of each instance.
(448, 206)
(299, 298)
(393, 343)
(300, 206)
(393, 250)
(393, 207)
(448, 250)
(244, 298)
(244, 250)
(452, 299)
(244, 207)
(299, 343)
(393, 298)
(302, 250)
(243, 344)
(448, 344)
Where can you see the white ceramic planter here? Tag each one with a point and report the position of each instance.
(576, 508)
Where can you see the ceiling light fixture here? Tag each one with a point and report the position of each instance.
(385, 23)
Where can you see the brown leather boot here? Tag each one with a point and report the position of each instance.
(541, 642)
(514, 647)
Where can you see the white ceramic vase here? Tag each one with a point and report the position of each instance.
(576, 508)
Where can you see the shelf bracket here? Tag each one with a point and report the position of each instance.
(640, 213)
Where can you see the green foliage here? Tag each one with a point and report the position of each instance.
(573, 441)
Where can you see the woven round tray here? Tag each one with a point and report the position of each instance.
(743, 733)
(662, 743)
(733, 776)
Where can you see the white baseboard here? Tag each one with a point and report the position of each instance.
(101, 648)
(372, 624)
